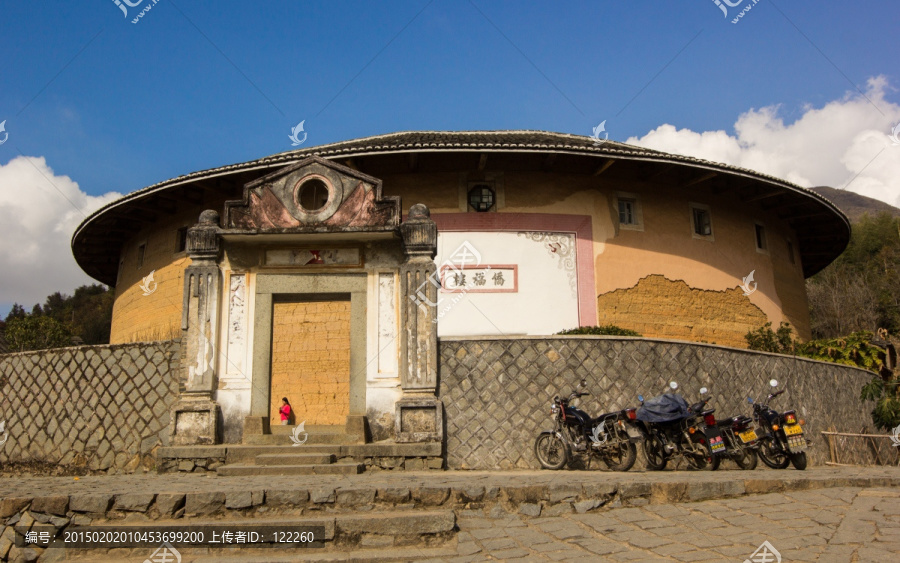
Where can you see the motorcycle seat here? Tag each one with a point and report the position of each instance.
(727, 422)
(609, 415)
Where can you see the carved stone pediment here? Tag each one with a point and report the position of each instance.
(314, 195)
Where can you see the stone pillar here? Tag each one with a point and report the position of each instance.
(195, 415)
(419, 414)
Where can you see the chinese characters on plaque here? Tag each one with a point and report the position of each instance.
(496, 278)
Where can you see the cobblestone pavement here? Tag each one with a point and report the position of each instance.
(822, 514)
(193, 482)
(829, 525)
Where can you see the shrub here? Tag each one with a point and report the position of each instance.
(765, 339)
(855, 349)
(607, 330)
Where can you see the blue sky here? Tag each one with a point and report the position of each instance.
(113, 106)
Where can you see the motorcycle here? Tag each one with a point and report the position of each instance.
(741, 441)
(672, 429)
(780, 434)
(611, 436)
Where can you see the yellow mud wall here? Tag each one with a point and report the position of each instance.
(140, 315)
(702, 275)
(311, 361)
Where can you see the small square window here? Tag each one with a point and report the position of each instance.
(702, 222)
(626, 212)
(626, 206)
(181, 240)
(140, 256)
(761, 243)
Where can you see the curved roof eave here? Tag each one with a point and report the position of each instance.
(460, 141)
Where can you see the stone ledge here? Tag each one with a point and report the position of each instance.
(191, 452)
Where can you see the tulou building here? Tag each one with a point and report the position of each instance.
(370, 281)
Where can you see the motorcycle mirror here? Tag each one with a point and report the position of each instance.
(583, 383)
(673, 385)
(750, 400)
(641, 398)
(703, 390)
(773, 382)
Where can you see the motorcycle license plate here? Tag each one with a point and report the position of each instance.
(716, 443)
(747, 436)
(797, 443)
(793, 430)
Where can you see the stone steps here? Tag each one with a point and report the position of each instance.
(295, 459)
(237, 470)
(386, 454)
(281, 435)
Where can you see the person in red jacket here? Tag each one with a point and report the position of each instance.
(285, 410)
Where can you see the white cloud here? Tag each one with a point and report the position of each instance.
(36, 226)
(826, 146)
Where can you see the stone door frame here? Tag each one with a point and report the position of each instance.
(297, 286)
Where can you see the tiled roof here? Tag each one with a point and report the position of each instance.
(417, 141)
(459, 141)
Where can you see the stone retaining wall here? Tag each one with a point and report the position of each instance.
(497, 391)
(100, 407)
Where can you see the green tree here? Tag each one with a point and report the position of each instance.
(17, 312)
(36, 333)
(87, 314)
(860, 290)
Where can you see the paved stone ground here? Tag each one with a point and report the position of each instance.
(813, 515)
(845, 524)
(185, 483)
(829, 525)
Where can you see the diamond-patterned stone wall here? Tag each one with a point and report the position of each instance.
(497, 392)
(104, 407)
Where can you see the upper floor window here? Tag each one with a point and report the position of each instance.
(482, 198)
(761, 243)
(626, 212)
(631, 216)
(181, 240)
(701, 220)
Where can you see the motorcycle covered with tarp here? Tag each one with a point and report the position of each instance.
(674, 429)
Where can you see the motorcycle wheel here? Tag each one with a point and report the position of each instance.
(798, 460)
(705, 462)
(773, 458)
(624, 456)
(551, 451)
(653, 451)
(745, 458)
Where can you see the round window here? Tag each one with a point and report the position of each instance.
(313, 195)
(481, 198)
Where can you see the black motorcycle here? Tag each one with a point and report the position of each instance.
(740, 440)
(673, 429)
(780, 434)
(610, 437)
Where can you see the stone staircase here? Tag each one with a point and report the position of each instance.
(313, 434)
(293, 460)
